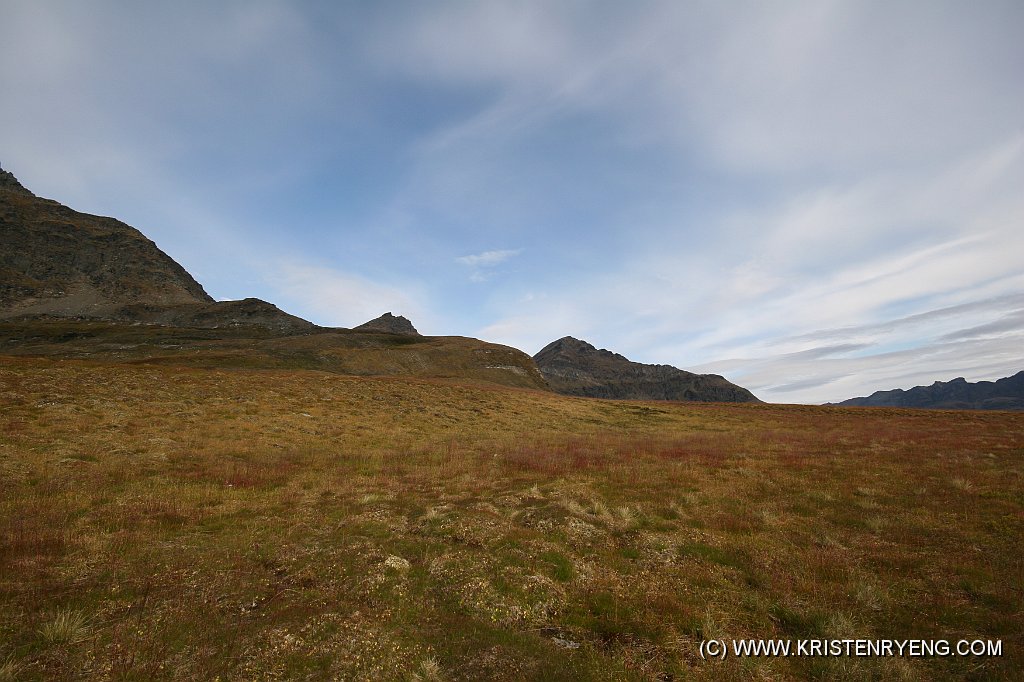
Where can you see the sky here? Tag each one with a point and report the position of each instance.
(816, 199)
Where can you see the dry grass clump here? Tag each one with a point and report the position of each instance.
(65, 627)
(172, 523)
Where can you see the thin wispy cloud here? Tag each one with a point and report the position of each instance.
(1008, 325)
(482, 264)
(488, 258)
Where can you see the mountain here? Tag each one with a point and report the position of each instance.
(575, 367)
(390, 324)
(958, 394)
(79, 286)
(56, 262)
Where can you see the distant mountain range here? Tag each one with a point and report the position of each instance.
(958, 394)
(71, 281)
(575, 367)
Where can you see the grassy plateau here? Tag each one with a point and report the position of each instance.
(160, 522)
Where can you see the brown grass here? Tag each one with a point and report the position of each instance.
(171, 523)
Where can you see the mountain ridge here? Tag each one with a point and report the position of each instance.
(957, 394)
(12, 184)
(58, 261)
(572, 366)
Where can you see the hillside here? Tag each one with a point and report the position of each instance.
(958, 394)
(163, 523)
(339, 351)
(574, 367)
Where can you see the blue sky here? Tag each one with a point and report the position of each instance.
(817, 199)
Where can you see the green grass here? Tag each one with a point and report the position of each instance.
(161, 522)
(560, 566)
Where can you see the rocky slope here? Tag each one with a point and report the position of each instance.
(958, 394)
(58, 262)
(575, 367)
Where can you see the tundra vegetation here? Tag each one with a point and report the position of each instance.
(186, 523)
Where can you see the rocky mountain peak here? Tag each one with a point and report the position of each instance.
(391, 324)
(575, 367)
(569, 347)
(571, 343)
(10, 183)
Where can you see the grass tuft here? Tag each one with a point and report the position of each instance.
(65, 627)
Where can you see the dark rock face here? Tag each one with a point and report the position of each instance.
(389, 323)
(10, 183)
(57, 262)
(958, 394)
(575, 367)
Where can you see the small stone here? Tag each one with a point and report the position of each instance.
(565, 643)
